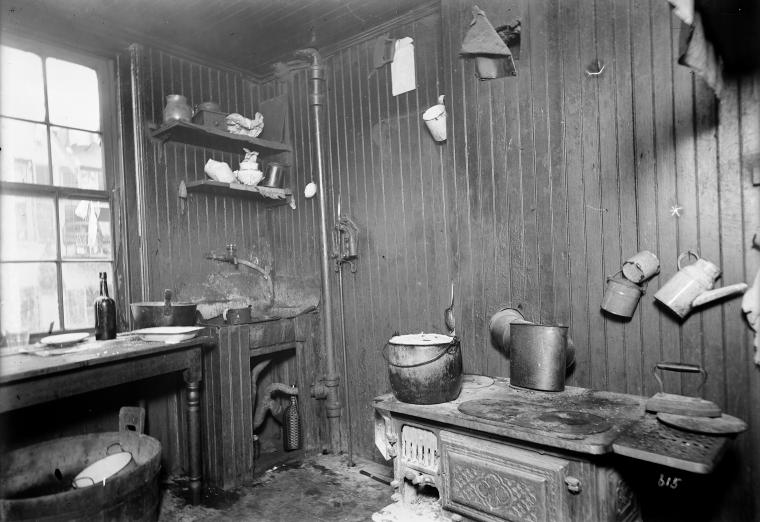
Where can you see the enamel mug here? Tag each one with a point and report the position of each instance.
(641, 266)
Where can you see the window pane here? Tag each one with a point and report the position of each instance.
(21, 87)
(77, 159)
(85, 228)
(73, 95)
(81, 285)
(24, 155)
(30, 297)
(28, 227)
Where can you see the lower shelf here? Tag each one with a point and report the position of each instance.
(273, 195)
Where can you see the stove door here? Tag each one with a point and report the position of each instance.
(489, 481)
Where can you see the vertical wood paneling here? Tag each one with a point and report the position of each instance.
(178, 237)
(547, 182)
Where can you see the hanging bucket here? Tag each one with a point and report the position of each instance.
(424, 368)
(435, 119)
(621, 296)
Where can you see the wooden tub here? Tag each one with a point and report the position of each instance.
(35, 481)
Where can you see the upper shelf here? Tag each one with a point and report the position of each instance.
(209, 137)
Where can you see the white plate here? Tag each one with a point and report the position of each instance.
(100, 470)
(168, 334)
(62, 340)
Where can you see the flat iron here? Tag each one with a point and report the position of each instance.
(662, 402)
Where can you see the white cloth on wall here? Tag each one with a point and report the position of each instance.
(751, 307)
(403, 76)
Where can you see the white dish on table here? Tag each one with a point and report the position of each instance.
(168, 334)
(64, 340)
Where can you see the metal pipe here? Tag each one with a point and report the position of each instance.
(316, 101)
(349, 433)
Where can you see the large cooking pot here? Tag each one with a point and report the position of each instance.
(424, 368)
(166, 313)
(538, 356)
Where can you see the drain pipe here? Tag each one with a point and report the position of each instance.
(331, 382)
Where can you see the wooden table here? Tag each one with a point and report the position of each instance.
(26, 379)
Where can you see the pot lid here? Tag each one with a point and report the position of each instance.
(421, 339)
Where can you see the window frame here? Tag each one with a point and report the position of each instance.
(104, 67)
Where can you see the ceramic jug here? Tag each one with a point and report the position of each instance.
(691, 286)
(177, 108)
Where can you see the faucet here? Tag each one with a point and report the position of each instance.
(230, 256)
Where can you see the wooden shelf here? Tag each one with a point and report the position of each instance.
(209, 186)
(210, 137)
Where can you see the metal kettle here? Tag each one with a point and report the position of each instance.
(692, 286)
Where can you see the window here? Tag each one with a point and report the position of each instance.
(55, 205)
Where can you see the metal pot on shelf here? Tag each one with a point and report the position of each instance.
(274, 176)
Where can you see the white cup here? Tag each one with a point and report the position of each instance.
(435, 119)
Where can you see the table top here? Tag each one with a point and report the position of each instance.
(44, 361)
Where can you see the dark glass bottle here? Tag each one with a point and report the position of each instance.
(105, 313)
(291, 423)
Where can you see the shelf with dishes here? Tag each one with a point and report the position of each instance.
(214, 138)
(276, 196)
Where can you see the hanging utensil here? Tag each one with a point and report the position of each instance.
(448, 315)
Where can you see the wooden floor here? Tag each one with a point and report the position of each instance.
(315, 489)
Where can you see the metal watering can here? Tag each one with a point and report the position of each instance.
(692, 286)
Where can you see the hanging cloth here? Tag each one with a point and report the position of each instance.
(696, 51)
(494, 59)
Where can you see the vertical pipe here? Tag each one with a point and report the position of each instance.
(316, 101)
(349, 434)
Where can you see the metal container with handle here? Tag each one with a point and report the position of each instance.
(424, 368)
(166, 313)
(538, 356)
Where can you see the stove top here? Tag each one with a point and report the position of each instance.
(577, 419)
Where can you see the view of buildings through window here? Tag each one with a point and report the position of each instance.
(55, 209)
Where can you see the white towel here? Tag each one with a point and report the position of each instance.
(751, 307)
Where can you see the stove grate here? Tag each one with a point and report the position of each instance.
(652, 441)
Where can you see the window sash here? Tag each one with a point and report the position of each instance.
(107, 104)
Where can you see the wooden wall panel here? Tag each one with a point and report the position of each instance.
(178, 235)
(547, 182)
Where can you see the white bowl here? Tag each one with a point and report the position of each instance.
(99, 471)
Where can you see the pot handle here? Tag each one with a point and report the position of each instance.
(685, 255)
(450, 348)
(613, 275)
(679, 367)
(167, 302)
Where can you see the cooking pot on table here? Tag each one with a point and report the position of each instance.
(163, 313)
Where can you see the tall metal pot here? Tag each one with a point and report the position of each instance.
(538, 356)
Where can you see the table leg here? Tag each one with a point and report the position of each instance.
(194, 437)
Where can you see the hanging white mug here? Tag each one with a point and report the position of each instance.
(435, 119)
